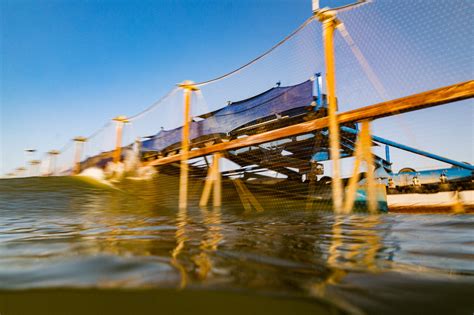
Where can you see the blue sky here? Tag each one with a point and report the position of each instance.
(69, 66)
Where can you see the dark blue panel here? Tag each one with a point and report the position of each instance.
(237, 114)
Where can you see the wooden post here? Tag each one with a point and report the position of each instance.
(52, 162)
(369, 161)
(207, 186)
(457, 206)
(188, 88)
(34, 167)
(362, 152)
(328, 18)
(207, 189)
(79, 143)
(29, 155)
(121, 120)
(353, 181)
(247, 198)
(19, 171)
(217, 181)
(213, 182)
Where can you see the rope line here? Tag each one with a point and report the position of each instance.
(152, 106)
(287, 38)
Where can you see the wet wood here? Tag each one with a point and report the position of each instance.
(366, 141)
(184, 154)
(217, 201)
(213, 182)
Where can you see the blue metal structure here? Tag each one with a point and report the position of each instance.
(459, 173)
(413, 150)
(319, 88)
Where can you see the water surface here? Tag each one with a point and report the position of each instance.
(75, 236)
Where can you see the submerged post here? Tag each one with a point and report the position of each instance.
(188, 87)
(218, 181)
(79, 144)
(362, 152)
(120, 120)
(329, 21)
(213, 182)
(369, 161)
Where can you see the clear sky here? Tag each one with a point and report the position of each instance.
(69, 66)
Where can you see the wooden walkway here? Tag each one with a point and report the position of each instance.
(444, 95)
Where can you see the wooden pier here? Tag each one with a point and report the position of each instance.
(440, 96)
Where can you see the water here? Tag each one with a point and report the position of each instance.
(129, 244)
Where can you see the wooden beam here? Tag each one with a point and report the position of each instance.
(328, 18)
(444, 95)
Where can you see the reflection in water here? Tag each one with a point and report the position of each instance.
(355, 242)
(208, 243)
(212, 237)
(181, 222)
(354, 245)
(60, 232)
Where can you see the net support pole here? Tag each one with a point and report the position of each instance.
(52, 162)
(78, 146)
(34, 171)
(50, 170)
(120, 121)
(329, 21)
(188, 87)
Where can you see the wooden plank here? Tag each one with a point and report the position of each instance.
(444, 95)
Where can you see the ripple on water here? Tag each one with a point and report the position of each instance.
(82, 237)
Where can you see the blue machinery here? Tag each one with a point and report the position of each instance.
(409, 177)
(412, 150)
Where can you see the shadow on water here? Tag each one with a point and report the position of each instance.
(73, 247)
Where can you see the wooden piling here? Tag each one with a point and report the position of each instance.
(52, 162)
(213, 183)
(362, 152)
(120, 120)
(79, 143)
(354, 180)
(188, 88)
(217, 181)
(366, 140)
(328, 18)
(208, 184)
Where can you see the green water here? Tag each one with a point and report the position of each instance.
(71, 246)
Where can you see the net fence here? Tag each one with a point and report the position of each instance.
(384, 50)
